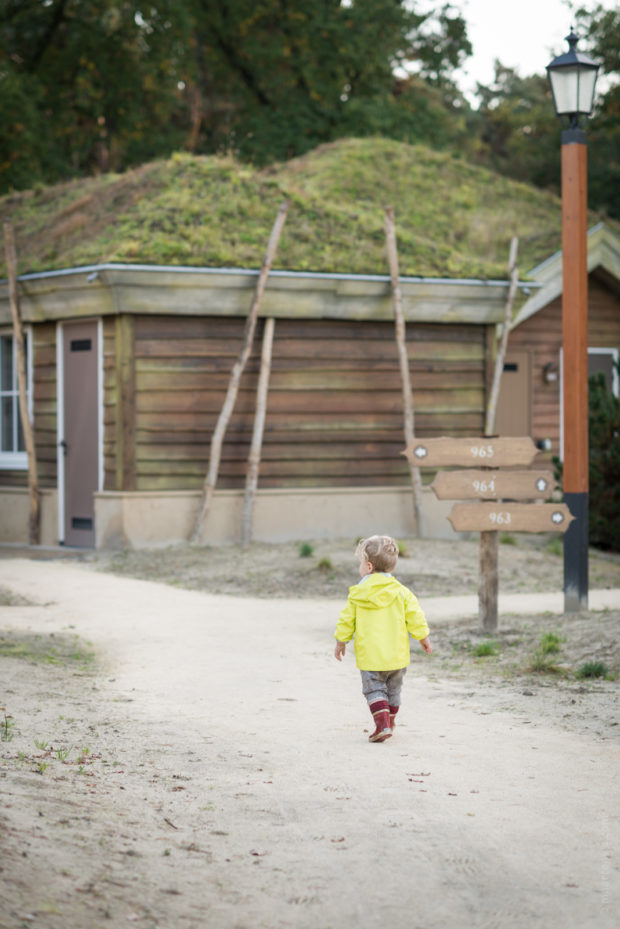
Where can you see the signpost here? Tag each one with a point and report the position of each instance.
(493, 485)
(484, 482)
(484, 452)
(512, 517)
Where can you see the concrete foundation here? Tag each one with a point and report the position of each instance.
(151, 519)
(14, 515)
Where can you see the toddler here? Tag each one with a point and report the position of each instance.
(380, 613)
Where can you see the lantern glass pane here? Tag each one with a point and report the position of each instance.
(587, 80)
(565, 86)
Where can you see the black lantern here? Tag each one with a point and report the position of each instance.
(573, 78)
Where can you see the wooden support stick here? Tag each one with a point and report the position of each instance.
(18, 332)
(257, 435)
(489, 548)
(416, 482)
(235, 378)
(501, 355)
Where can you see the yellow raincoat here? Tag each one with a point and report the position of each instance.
(380, 613)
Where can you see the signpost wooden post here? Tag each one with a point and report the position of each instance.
(494, 492)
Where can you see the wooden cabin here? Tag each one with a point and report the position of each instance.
(129, 365)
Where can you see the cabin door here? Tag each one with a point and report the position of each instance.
(514, 405)
(79, 438)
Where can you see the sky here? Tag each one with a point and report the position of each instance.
(523, 34)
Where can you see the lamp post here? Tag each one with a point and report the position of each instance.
(572, 78)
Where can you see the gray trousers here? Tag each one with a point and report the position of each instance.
(383, 685)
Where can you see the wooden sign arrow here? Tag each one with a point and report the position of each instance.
(510, 517)
(493, 485)
(486, 452)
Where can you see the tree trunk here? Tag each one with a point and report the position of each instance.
(235, 378)
(33, 481)
(401, 344)
(257, 436)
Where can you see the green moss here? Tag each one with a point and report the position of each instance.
(453, 219)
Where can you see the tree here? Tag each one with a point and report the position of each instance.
(97, 85)
(601, 29)
(604, 476)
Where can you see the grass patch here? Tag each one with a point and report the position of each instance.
(306, 550)
(486, 649)
(555, 547)
(593, 669)
(507, 539)
(57, 649)
(325, 564)
(179, 210)
(550, 643)
(8, 598)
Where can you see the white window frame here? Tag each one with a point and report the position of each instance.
(615, 385)
(18, 461)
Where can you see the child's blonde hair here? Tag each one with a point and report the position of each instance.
(380, 550)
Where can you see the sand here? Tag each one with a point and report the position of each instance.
(210, 768)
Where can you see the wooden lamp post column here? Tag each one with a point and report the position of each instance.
(573, 78)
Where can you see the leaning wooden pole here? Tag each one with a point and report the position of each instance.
(399, 319)
(503, 345)
(235, 378)
(251, 481)
(18, 333)
(488, 585)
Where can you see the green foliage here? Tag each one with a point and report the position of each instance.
(306, 550)
(98, 85)
(604, 438)
(604, 464)
(485, 649)
(215, 211)
(550, 643)
(325, 564)
(593, 669)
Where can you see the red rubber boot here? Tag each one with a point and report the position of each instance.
(393, 711)
(381, 714)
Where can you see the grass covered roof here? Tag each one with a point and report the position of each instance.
(453, 219)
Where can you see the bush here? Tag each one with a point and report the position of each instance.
(604, 465)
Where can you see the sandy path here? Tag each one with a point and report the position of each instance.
(243, 792)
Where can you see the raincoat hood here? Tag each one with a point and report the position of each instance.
(377, 592)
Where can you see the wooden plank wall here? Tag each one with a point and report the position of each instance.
(44, 401)
(541, 335)
(334, 408)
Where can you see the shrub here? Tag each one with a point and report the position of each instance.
(593, 669)
(306, 550)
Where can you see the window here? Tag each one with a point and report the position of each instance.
(12, 445)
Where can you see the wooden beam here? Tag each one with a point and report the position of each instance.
(405, 374)
(125, 403)
(257, 435)
(235, 377)
(34, 516)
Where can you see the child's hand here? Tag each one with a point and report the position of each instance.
(340, 649)
(426, 645)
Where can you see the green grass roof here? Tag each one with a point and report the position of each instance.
(453, 219)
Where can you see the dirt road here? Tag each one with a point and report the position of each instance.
(212, 772)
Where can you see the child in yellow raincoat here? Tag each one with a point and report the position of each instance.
(381, 613)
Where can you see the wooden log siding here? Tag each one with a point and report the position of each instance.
(541, 335)
(334, 414)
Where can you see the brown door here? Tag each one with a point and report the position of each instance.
(514, 411)
(80, 442)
